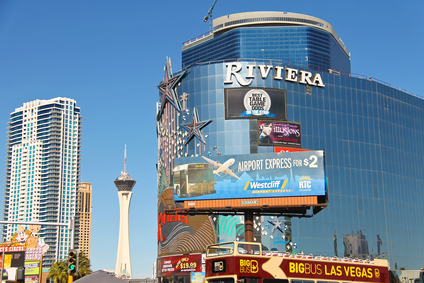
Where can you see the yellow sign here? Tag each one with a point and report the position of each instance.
(334, 270)
(249, 266)
(7, 261)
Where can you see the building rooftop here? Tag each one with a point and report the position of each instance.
(228, 22)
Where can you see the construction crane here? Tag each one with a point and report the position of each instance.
(209, 15)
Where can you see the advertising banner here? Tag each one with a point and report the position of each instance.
(25, 248)
(279, 133)
(335, 271)
(250, 176)
(255, 103)
(32, 271)
(179, 265)
(16, 259)
(12, 261)
(197, 277)
(288, 149)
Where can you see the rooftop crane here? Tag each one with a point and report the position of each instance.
(209, 15)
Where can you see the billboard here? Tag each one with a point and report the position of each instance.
(255, 103)
(263, 175)
(193, 233)
(179, 265)
(273, 133)
(24, 249)
(33, 270)
(197, 277)
(288, 149)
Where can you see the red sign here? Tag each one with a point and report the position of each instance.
(288, 268)
(179, 265)
(7, 249)
(164, 218)
(288, 149)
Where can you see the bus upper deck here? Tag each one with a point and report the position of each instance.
(247, 263)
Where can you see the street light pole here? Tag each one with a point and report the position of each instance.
(2, 264)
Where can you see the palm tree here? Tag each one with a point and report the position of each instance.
(83, 266)
(59, 270)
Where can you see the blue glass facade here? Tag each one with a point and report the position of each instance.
(372, 136)
(301, 44)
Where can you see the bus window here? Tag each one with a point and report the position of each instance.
(223, 280)
(249, 280)
(220, 249)
(301, 281)
(249, 249)
(266, 280)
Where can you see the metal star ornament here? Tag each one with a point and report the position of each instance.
(168, 91)
(195, 128)
(277, 225)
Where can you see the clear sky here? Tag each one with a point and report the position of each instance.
(109, 56)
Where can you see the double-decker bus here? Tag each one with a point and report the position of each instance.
(193, 180)
(244, 262)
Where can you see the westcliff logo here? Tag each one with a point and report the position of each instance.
(280, 73)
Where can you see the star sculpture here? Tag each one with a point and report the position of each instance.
(168, 91)
(277, 225)
(195, 128)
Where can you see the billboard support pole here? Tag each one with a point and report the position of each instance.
(248, 226)
(2, 263)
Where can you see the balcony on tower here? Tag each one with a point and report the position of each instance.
(124, 182)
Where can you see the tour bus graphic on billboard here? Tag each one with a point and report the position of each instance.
(284, 174)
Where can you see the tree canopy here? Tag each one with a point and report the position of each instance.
(59, 270)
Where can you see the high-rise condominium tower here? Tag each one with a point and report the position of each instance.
(83, 222)
(43, 170)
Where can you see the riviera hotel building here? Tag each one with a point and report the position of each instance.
(297, 68)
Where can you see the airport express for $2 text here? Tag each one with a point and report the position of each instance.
(277, 163)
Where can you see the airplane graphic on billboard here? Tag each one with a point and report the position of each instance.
(222, 168)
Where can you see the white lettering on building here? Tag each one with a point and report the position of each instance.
(280, 73)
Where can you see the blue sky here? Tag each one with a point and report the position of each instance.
(109, 57)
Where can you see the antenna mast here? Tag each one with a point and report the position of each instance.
(125, 159)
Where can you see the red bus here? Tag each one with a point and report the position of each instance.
(243, 262)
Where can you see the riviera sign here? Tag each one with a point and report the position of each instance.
(281, 73)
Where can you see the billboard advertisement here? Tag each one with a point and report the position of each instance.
(25, 248)
(288, 149)
(197, 277)
(193, 233)
(32, 271)
(179, 265)
(276, 133)
(255, 103)
(262, 175)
